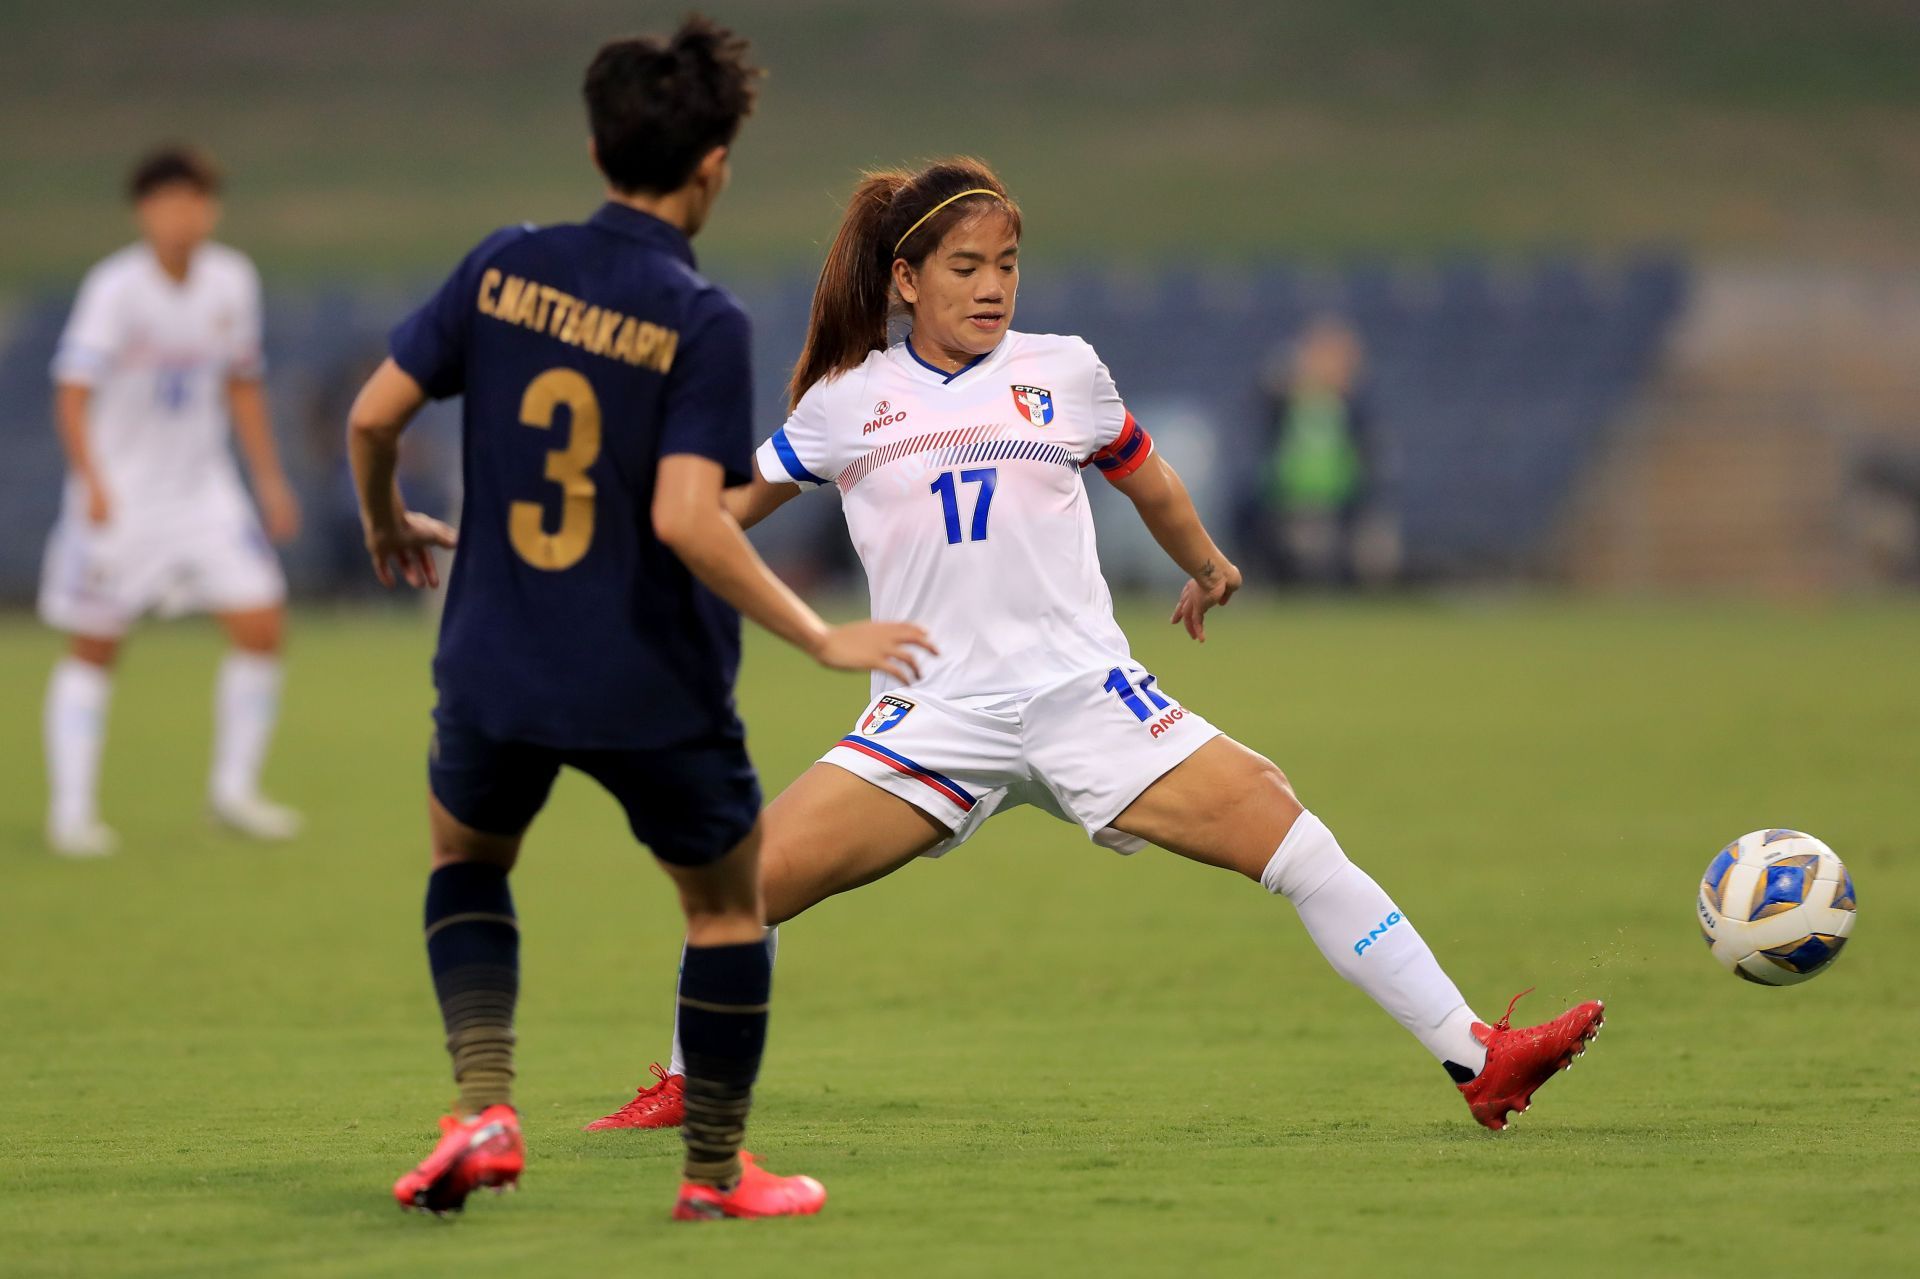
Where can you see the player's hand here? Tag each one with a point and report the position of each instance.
(406, 549)
(1212, 589)
(888, 647)
(280, 512)
(99, 505)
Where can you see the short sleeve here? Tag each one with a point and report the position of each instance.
(709, 397)
(91, 341)
(1120, 445)
(431, 344)
(245, 354)
(797, 452)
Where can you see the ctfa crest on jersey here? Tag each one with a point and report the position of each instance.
(886, 713)
(1035, 404)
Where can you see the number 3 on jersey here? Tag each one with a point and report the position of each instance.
(986, 477)
(567, 467)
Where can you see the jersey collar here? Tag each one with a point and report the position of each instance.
(172, 285)
(945, 377)
(624, 219)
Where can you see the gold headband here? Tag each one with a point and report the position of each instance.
(936, 208)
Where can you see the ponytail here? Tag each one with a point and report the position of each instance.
(855, 293)
(893, 214)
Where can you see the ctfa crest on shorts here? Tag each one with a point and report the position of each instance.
(886, 713)
(1035, 404)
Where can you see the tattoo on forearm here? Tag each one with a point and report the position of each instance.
(1207, 572)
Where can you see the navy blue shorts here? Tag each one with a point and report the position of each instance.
(690, 804)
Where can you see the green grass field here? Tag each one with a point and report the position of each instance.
(1033, 1057)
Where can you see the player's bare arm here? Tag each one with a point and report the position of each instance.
(691, 517)
(753, 501)
(253, 427)
(399, 541)
(70, 400)
(1167, 509)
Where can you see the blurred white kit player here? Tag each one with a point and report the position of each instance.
(161, 351)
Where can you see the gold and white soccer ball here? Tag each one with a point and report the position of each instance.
(1776, 906)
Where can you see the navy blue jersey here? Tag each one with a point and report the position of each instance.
(586, 353)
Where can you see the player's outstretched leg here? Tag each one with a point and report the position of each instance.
(473, 949)
(1370, 942)
(1228, 806)
(76, 731)
(726, 983)
(246, 704)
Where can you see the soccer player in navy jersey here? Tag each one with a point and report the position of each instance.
(592, 619)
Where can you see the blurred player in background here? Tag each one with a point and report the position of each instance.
(1322, 519)
(593, 617)
(958, 454)
(161, 352)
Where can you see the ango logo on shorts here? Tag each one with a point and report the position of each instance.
(886, 713)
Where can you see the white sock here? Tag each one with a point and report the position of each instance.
(1370, 942)
(76, 729)
(676, 1062)
(246, 703)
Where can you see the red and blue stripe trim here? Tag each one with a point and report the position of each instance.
(901, 764)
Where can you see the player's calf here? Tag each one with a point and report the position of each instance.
(723, 1028)
(724, 992)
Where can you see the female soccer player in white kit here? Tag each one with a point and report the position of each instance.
(958, 454)
(163, 344)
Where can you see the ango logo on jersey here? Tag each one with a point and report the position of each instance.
(886, 713)
(1035, 404)
(883, 416)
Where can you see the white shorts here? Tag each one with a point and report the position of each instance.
(1082, 750)
(97, 581)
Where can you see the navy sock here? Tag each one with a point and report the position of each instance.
(473, 948)
(723, 1031)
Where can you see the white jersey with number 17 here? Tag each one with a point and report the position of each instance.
(964, 499)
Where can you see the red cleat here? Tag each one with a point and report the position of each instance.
(485, 1150)
(1519, 1061)
(664, 1105)
(758, 1193)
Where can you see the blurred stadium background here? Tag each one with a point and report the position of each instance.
(1635, 288)
(1636, 284)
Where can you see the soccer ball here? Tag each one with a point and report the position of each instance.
(1776, 906)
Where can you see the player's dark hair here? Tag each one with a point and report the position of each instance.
(855, 297)
(657, 106)
(164, 166)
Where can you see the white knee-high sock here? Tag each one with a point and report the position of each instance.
(76, 729)
(1371, 942)
(246, 703)
(676, 1060)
